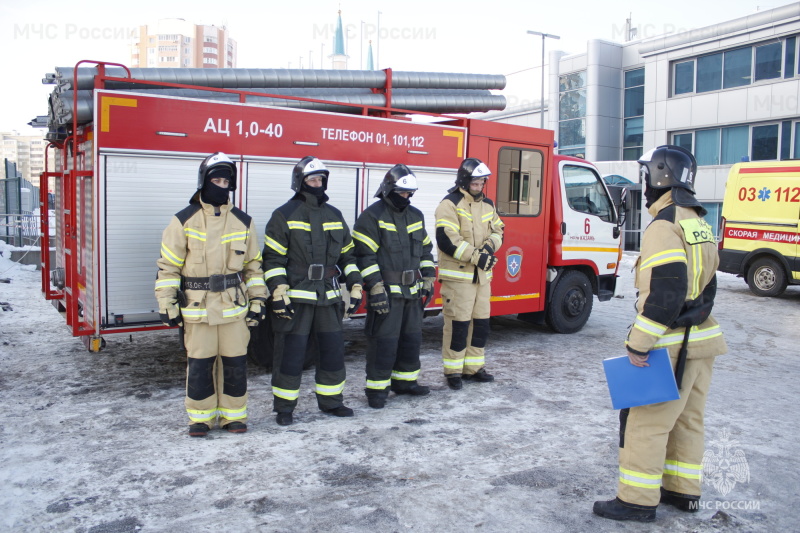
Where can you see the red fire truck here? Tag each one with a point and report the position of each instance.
(120, 178)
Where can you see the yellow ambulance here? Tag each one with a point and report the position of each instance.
(760, 217)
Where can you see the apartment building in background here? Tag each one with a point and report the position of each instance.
(28, 152)
(176, 43)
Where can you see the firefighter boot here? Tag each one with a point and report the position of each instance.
(376, 402)
(616, 509)
(340, 411)
(415, 389)
(479, 377)
(235, 427)
(284, 419)
(198, 430)
(685, 502)
(454, 382)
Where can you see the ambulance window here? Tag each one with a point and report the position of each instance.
(585, 192)
(519, 182)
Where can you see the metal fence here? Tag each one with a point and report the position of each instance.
(19, 207)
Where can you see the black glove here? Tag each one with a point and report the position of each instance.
(281, 304)
(378, 301)
(169, 312)
(426, 292)
(257, 313)
(356, 295)
(486, 261)
(488, 248)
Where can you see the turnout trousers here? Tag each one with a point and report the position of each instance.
(291, 340)
(662, 444)
(393, 345)
(466, 309)
(216, 373)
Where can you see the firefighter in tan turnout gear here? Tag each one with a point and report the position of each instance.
(394, 255)
(661, 445)
(210, 282)
(468, 233)
(307, 250)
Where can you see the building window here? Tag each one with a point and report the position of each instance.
(727, 146)
(768, 61)
(572, 113)
(764, 145)
(684, 77)
(707, 147)
(210, 60)
(734, 144)
(633, 111)
(684, 140)
(789, 59)
(709, 73)
(735, 68)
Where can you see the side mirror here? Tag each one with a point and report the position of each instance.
(622, 207)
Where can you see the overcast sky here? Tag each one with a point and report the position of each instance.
(487, 37)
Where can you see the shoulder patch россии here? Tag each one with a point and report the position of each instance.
(697, 230)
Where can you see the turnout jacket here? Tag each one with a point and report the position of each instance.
(464, 225)
(390, 241)
(302, 233)
(677, 283)
(198, 244)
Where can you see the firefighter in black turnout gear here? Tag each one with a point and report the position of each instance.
(394, 255)
(308, 250)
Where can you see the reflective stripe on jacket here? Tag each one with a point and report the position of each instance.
(301, 233)
(676, 269)
(389, 240)
(464, 225)
(197, 243)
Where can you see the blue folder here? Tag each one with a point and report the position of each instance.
(631, 386)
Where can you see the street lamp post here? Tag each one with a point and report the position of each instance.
(544, 36)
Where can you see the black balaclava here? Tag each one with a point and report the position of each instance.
(652, 195)
(317, 192)
(214, 194)
(398, 201)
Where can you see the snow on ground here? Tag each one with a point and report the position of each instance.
(97, 443)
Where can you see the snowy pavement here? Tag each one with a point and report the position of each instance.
(97, 443)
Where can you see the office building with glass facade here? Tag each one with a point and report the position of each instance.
(727, 92)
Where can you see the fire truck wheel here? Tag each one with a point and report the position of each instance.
(571, 304)
(766, 277)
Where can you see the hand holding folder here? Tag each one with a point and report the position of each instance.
(632, 386)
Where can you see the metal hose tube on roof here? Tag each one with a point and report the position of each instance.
(427, 100)
(231, 78)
